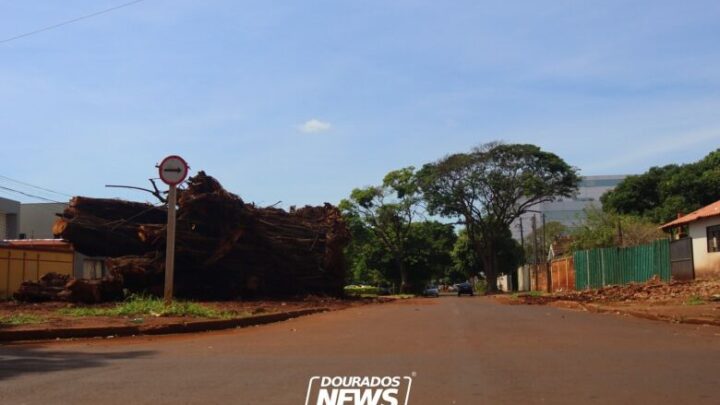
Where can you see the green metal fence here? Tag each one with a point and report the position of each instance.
(596, 268)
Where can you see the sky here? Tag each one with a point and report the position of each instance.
(302, 101)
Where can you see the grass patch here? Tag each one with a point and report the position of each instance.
(362, 291)
(535, 293)
(695, 300)
(20, 319)
(141, 305)
(401, 296)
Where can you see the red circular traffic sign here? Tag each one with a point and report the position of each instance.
(173, 170)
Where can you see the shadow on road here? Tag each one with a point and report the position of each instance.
(16, 361)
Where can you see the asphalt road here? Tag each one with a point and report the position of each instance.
(460, 351)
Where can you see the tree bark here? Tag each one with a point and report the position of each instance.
(403, 276)
(490, 272)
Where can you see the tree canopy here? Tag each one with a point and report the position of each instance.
(388, 212)
(488, 188)
(662, 192)
(602, 229)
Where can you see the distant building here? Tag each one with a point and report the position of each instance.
(569, 211)
(9, 217)
(36, 219)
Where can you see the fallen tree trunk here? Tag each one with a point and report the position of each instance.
(225, 248)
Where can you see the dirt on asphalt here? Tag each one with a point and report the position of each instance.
(676, 301)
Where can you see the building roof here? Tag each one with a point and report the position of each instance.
(707, 211)
(36, 244)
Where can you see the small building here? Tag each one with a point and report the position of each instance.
(36, 219)
(9, 217)
(30, 259)
(696, 239)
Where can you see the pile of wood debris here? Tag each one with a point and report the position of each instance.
(225, 248)
(652, 291)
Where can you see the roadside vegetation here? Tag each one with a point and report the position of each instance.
(152, 306)
(20, 319)
(448, 221)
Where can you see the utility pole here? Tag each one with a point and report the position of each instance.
(522, 236)
(533, 223)
(548, 276)
(545, 248)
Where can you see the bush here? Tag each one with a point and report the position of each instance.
(360, 290)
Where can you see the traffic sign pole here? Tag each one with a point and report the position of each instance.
(173, 171)
(170, 248)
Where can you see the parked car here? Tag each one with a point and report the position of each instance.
(431, 291)
(384, 290)
(465, 288)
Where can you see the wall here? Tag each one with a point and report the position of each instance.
(523, 273)
(9, 210)
(18, 265)
(597, 268)
(36, 220)
(562, 274)
(707, 264)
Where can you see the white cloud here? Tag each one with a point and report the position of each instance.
(314, 125)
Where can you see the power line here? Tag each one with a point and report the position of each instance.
(84, 17)
(30, 195)
(33, 186)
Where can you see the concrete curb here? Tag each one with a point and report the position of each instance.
(185, 327)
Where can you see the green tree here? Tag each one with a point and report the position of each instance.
(466, 263)
(488, 188)
(662, 192)
(428, 256)
(465, 260)
(602, 229)
(388, 212)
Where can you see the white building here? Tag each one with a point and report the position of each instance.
(702, 229)
(37, 219)
(569, 211)
(9, 216)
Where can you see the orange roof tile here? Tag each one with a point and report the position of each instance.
(707, 211)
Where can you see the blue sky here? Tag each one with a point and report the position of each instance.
(301, 101)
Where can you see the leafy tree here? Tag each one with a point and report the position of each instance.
(388, 212)
(662, 192)
(466, 263)
(428, 255)
(603, 229)
(490, 187)
(465, 260)
(429, 252)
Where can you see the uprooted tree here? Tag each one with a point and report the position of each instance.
(490, 187)
(225, 248)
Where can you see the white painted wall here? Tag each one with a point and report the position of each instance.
(707, 265)
(504, 283)
(37, 219)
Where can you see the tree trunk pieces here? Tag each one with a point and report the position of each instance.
(225, 248)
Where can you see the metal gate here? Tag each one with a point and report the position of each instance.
(681, 259)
